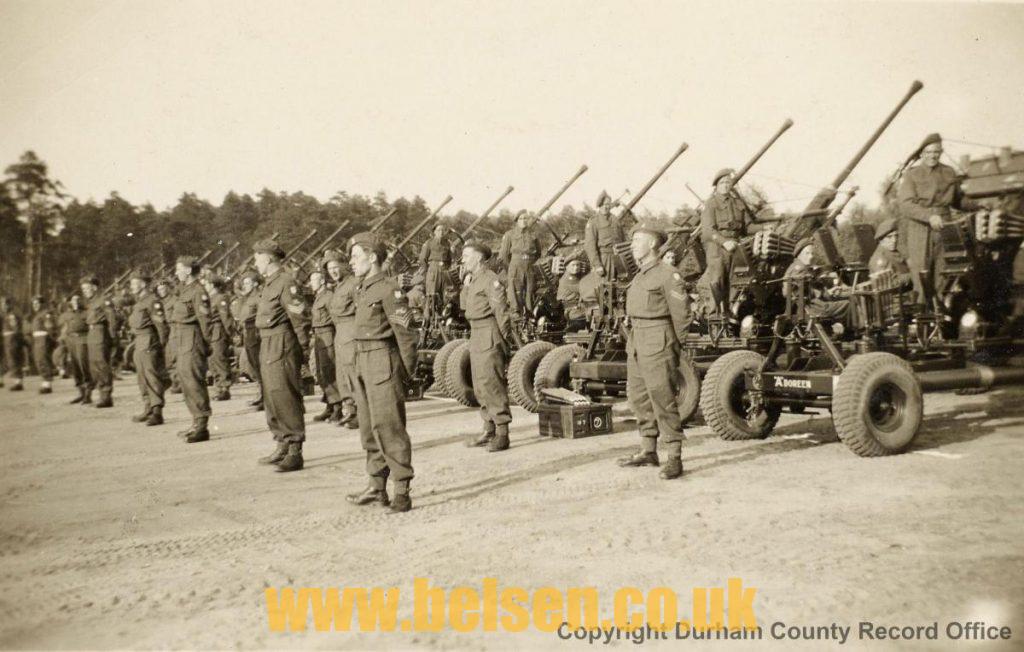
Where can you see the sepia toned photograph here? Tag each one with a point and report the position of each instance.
(455, 325)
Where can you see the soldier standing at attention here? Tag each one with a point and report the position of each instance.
(166, 293)
(484, 303)
(282, 320)
(43, 327)
(601, 232)
(520, 249)
(76, 331)
(658, 309)
(385, 354)
(323, 347)
(722, 224)
(435, 261)
(102, 332)
(190, 319)
(342, 309)
(220, 337)
(926, 194)
(149, 328)
(14, 346)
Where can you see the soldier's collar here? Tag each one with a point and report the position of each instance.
(650, 265)
(370, 279)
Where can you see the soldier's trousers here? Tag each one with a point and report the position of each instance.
(281, 372)
(522, 285)
(42, 347)
(487, 359)
(251, 342)
(190, 351)
(379, 392)
(220, 362)
(921, 245)
(149, 369)
(99, 345)
(717, 274)
(652, 383)
(171, 356)
(323, 352)
(435, 282)
(344, 359)
(14, 358)
(78, 350)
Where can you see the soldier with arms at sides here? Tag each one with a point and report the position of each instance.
(322, 355)
(190, 319)
(220, 335)
(435, 260)
(342, 308)
(149, 328)
(658, 309)
(483, 301)
(520, 249)
(42, 327)
(282, 319)
(100, 341)
(385, 355)
(600, 234)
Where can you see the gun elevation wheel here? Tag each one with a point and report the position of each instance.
(877, 406)
(521, 372)
(725, 402)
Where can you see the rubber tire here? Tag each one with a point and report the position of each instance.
(851, 404)
(459, 376)
(688, 398)
(521, 372)
(440, 366)
(553, 370)
(716, 398)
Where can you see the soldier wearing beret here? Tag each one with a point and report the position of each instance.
(190, 315)
(323, 346)
(148, 324)
(435, 261)
(602, 232)
(14, 346)
(569, 294)
(102, 323)
(220, 336)
(927, 193)
(42, 328)
(658, 308)
(342, 309)
(385, 356)
(282, 319)
(484, 303)
(887, 258)
(822, 301)
(722, 224)
(519, 250)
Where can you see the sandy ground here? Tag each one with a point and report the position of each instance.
(119, 536)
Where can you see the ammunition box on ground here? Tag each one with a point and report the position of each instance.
(574, 421)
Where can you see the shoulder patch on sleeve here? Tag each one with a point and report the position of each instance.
(294, 289)
(497, 284)
(398, 294)
(156, 304)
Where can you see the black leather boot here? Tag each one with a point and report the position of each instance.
(292, 460)
(277, 455)
(156, 417)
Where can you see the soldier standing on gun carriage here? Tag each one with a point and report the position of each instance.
(148, 324)
(484, 304)
(322, 354)
(282, 320)
(435, 261)
(102, 332)
(927, 193)
(342, 309)
(190, 319)
(520, 249)
(385, 355)
(722, 224)
(602, 232)
(42, 327)
(658, 309)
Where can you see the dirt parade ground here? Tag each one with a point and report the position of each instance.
(120, 536)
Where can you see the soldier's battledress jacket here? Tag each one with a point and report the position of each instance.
(483, 298)
(724, 218)
(101, 318)
(281, 304)
(928, 191)
(42, 324)
(190, 313)
(382, 314)
(657, 297)
(602, 231)
(147, 317)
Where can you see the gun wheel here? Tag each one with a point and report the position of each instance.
(440, 366)
(725, 401)
(688, 397)
(553, 370)
(459, 376)
(521, 372)
(877, 407)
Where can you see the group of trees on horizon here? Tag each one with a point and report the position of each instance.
(49, 240)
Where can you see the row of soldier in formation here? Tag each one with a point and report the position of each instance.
(359, 327)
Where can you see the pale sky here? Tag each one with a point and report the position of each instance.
(153, 99)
